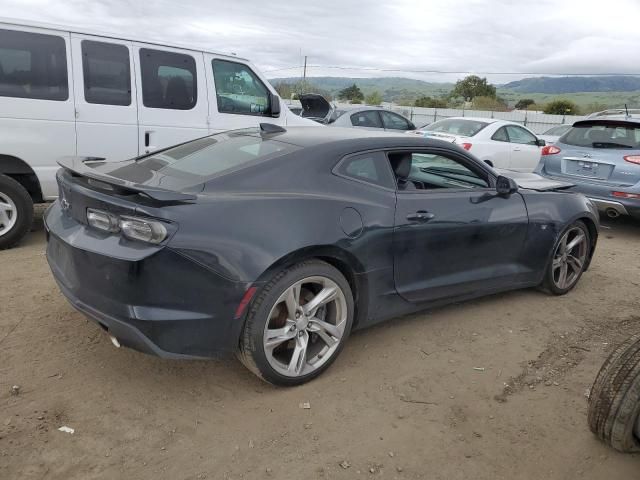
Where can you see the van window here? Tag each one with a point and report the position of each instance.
(107, 75)
(168, 80)
(33, 65)
(239, 90)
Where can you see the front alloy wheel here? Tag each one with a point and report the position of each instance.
(570, 258)
(298, 324)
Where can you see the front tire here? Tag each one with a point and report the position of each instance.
(614, 401)
(16, 212)
(570, 257)
(298, 324)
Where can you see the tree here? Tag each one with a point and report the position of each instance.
(594, 107)
(351, 93)
(374, 98)
(524, 103)
(429, 102)
(473, 86)
(562, 107)
(293, 89)
(489, 103)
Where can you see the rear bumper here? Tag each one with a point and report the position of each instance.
(155, 301)
(609, 205)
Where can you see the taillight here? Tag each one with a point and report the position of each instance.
(550, 150)
(626, 195)
(632, 159)
(466, 146)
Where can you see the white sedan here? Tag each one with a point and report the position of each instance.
(500, 143)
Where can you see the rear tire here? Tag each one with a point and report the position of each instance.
(614, 402)
(297, 324)
(16, 212)
(567, 263)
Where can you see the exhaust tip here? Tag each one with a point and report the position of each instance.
(612, 213)
(115, 341)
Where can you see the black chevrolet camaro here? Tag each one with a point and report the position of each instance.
(275, 244)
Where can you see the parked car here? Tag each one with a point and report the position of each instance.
(276, 243)
(500, 143)
(614, 399)
(72, 92)
(601, 157)
(554, 133)
(365, 117)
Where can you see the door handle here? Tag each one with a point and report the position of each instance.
(420, 216)
(516, 149)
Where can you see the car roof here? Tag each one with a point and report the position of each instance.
(114, 36)
(310, 136)
(476, 119)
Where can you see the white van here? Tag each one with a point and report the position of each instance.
(66, 92)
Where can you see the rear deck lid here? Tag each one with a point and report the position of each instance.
(314, 105)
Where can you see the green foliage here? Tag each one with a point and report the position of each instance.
(562, 107)
(524, 103)
(489, 103)
(351, 93)
(374, 98)
(593, 107)
(429, 102)
(356, 101)
(473, 86)
(293, 89)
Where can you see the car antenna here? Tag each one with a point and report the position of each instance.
(271, 128)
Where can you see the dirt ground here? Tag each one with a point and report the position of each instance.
(489, 389)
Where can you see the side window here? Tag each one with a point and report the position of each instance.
(394, 121)
(500, 135)
(368, 118)
(168, 80)
(431, 171)
(33, 65)
(238, 89)
(520, 135)
(369, 167)
(106, 72)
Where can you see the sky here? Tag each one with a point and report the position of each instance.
(374, 38)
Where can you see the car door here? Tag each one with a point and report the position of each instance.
(455, 235)
(525, 151)
(394, 122)
(367, 120)
(105, 97)
(172, 98)
(238, 96)
(497, 149)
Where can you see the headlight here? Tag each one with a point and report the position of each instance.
(102, 220)
(144, 230)
(133, 228)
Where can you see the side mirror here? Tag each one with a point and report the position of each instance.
(412, 126)
(506, 185)
(274, 103)
(540, 142)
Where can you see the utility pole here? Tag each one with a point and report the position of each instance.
(304, 74)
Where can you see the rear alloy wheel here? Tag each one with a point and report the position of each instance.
(16, 212)
(570, 257)
(298, 324)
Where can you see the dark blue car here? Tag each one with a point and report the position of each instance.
(275, 244)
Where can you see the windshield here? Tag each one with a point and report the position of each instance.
(604, 134)
(455, 126)
(559, 130)
(213, 155)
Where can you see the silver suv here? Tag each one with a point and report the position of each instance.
(601, 157)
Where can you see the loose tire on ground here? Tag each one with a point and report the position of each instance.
(252, 350)
(614, 402)
(16, 212)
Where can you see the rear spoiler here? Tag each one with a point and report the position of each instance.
(85, 167)
(611, 122)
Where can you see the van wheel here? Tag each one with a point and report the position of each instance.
(16, 212)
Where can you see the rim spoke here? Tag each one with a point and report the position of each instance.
(326, 338)
(325, 295)
(578, 239)
(575, 263)
(6, 207)
(292, 300)
(277, 336)
(562, 279)
(326, 327)
(563, 244)
(299, 355)
(557, 263)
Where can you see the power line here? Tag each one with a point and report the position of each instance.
(452, 72)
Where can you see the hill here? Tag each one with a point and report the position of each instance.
(558, 85)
